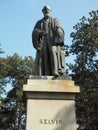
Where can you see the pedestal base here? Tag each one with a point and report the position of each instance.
(50, 104)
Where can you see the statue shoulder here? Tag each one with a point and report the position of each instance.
(39, 22)
(56, 20)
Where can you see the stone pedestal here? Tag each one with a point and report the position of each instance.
(50, 104)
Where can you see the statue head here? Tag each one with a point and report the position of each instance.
(46, 11)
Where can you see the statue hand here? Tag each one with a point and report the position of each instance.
(43, 33)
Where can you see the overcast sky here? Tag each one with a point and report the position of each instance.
(18, 17)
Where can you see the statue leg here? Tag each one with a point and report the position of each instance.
(46, 60)
(55, 61)
(62, 54)
(37, 63)
(59, 59)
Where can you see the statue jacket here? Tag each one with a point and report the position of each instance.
(52, 26)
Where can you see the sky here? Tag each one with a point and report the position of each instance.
(18, 18)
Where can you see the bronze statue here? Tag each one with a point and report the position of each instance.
(48, 40)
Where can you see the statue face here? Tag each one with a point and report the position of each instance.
(46, 12)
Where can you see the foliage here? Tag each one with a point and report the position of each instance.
(1, 51)
(85, 70)
(2, 90)
(15, 72)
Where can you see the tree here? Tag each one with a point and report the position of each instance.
(1, 51)
(2, 90)
(85, 70)
(15, 72)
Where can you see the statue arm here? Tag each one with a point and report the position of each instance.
(37, 35)
(57, 22)
(59, 32)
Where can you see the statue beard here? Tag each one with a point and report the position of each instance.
(46, 15)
